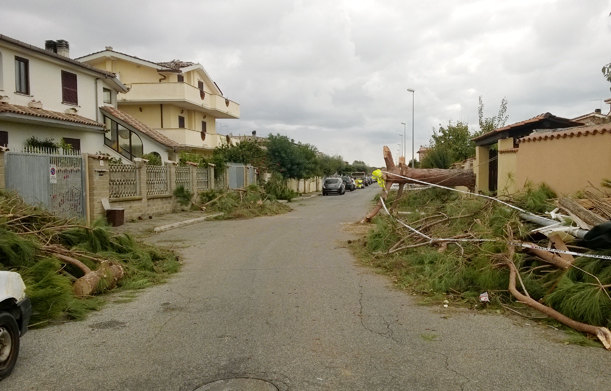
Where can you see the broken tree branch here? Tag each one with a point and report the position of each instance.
(602, 333)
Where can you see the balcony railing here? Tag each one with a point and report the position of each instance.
(173, 92)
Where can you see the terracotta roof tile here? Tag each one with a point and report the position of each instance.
(581, 131)
(41, 113)
(141, 127)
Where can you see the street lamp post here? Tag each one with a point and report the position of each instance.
(404, 138)
(413, 99)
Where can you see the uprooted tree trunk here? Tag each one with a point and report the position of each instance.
(403, 174)
(105, 277)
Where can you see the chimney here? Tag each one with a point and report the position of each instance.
(51, 45)
(109, 48)
(254, 133)
(63, 48)
(597, 111)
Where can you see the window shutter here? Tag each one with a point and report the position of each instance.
(69, 88)
(203, 134)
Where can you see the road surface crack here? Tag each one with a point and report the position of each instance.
(388, 334)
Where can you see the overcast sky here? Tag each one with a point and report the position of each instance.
(335, 73)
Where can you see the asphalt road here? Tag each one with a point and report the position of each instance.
(279, 303)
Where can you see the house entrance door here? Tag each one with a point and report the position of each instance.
(493, 171)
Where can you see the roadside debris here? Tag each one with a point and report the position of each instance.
(459, 245)
(64, 262)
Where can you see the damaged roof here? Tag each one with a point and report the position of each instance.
(175, 64)
(524, 128)
(7, 108)
(140, 127)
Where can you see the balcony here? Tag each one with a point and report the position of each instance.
(192, 138)
(183, 95)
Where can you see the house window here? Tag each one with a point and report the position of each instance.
(181, 78)
(203, 134)
(3, 138)
(75, 143)
(106, 96)
(69, 88)
(22, 76)
(200, 86)
(181, 121)
(122, 140)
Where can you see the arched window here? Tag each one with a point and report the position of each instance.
(122, 139)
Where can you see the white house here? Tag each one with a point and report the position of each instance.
(48, 96)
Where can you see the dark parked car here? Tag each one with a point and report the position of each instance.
(349, 183)
(333, 185)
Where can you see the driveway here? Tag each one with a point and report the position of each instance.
(279, 303)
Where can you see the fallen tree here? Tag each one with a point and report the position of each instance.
(450, 247)
(403, 174)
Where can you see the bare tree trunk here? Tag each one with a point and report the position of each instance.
(402, 174)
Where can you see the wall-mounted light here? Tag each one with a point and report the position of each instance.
(182, 111)
(140, 109)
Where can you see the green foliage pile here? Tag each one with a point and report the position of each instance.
(236, 204)
(276, 187)
(26, 234)
(183, 196)
(462, 272)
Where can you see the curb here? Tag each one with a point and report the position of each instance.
(168, 227)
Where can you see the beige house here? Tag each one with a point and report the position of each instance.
(498, 152)
(176, 98)
(568, 160)
(46, 95)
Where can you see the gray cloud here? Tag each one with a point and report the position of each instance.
(334, 73)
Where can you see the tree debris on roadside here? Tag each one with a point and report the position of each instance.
(241, 203)
(457, 245)
(64, 262)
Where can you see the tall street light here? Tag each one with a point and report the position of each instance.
(413, 99)
(404, 138)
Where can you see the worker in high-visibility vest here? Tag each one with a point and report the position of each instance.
(377, 175)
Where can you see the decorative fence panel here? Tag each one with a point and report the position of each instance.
(203, 182)
(183, 177)
(157, 182)
(53, 179)
(123, 180)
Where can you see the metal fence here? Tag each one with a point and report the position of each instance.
(239, 175)
(157, 182)
(123, 180)
(52, 179)
(202, 177)
(183, 177)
